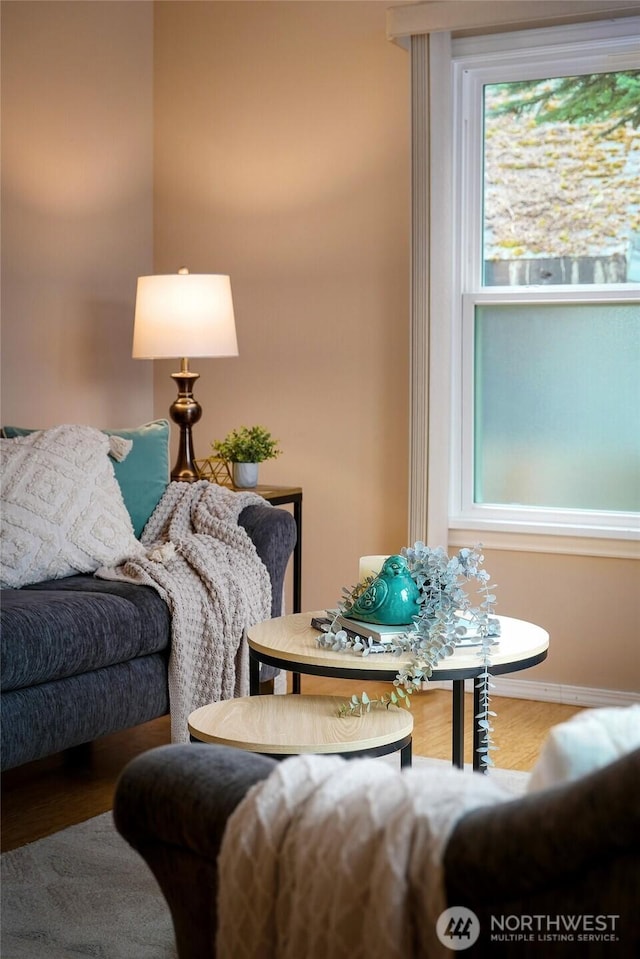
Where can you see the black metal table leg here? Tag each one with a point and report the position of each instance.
(297, 557)
(405, 756)
(254, 675)
(457, 747)
(295, 682)
(478, 733)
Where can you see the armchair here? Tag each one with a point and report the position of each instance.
(572, 850)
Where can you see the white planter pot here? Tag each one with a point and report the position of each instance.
(245, 475)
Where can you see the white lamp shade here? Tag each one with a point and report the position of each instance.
(186, 314)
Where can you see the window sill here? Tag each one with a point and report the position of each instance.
(614, 547)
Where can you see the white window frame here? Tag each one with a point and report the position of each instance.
(475, 61)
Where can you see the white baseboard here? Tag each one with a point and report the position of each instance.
(552, 692)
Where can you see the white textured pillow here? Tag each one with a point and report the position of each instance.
(587, 741)
(62, 508)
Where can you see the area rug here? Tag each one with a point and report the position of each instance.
(83, 892)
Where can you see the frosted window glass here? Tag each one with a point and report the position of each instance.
(557, 406)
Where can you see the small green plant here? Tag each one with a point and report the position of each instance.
(358, 705)
(248, 444)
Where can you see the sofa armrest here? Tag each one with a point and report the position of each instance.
(273, 532)
(171, 805)
(570, 850)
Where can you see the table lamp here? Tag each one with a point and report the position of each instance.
(182, 315)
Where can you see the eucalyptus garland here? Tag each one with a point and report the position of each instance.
(448, 614)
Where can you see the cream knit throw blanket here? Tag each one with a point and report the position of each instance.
(341, 859)
(207, 570)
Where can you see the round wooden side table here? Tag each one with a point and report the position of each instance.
(280, 726)
(290, 642)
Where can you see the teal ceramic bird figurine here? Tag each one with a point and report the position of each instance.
(392, 599)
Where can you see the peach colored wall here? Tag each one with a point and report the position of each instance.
(589, 605)
(282, 158)
(77, 167)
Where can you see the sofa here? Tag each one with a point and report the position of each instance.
(525, 866)
(81, 656)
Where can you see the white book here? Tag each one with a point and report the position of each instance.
(380, 633)
(388, 634)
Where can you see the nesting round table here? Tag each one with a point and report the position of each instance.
(290, 643)
(281, 726)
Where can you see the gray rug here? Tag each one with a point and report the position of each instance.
(84, 893)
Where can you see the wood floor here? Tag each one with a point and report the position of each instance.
(42, 797)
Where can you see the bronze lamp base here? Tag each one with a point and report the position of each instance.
(185, 411)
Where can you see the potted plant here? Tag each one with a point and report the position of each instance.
(245, 448)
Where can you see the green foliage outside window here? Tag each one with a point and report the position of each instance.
(561, 176)
(587, 99)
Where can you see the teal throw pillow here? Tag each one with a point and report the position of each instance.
(143, 475)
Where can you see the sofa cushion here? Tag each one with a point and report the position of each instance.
(45, 719)
(63, 511)
(143, 476)
(66, 627)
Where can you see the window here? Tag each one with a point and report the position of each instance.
(546, 281)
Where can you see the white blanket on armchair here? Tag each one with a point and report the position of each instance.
(207, 570)
(329, 857)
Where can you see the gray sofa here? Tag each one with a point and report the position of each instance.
(83, 657)
(572, 850)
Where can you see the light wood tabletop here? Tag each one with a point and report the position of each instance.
(290, 725)
(293, 641)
